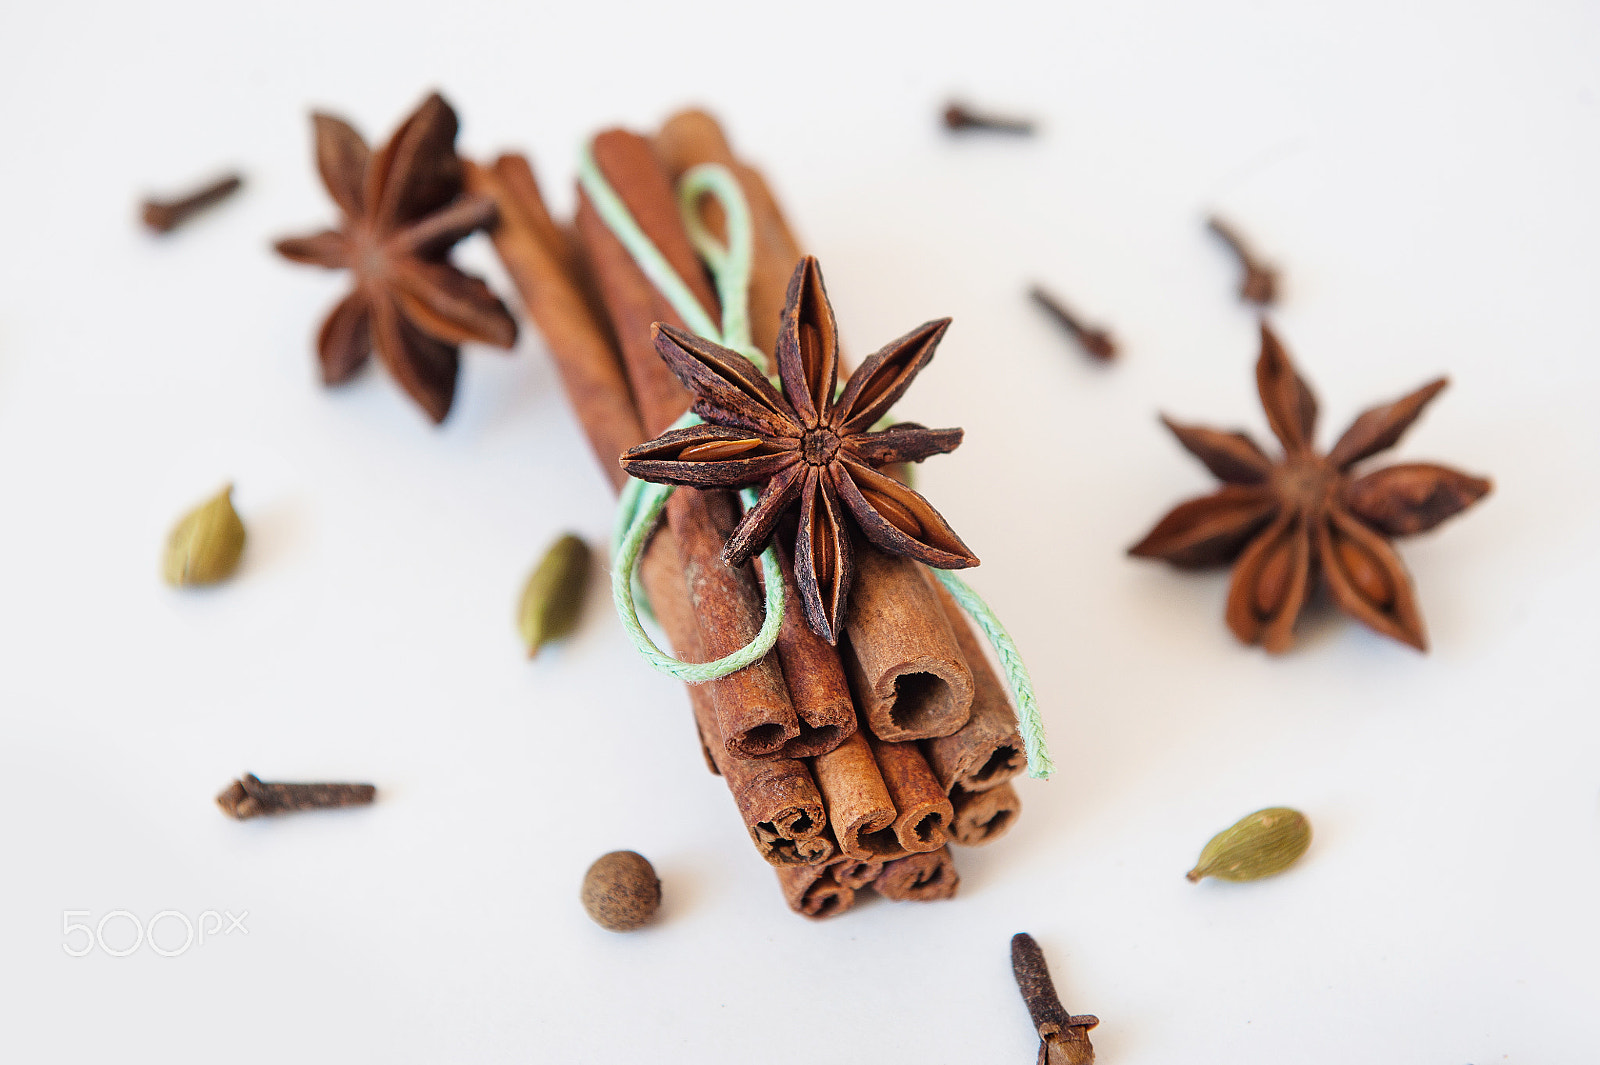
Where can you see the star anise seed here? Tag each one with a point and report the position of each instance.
(403, 211)
(812, 451)
(1286, 524)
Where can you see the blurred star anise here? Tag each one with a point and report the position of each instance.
(403, 212)
(811, 445)
(1286, 524)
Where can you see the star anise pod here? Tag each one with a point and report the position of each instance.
(1289, 523)
(403, 211)
(811, 445)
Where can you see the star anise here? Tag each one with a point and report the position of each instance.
(403, 212)
(1304, 518)
(812, 445)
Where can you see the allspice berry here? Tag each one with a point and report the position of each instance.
(621, 891)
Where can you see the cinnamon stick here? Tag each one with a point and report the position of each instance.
(907, 669)
(690, 138)
(817, 684)
(754, 713)
(926, 877)
(755, 716)
(811, 666)
(542, 263)
(911, 668)
(778, 800)
(987, 751)
(854, 873)
(814, 891)
(859, 808)
(631, 301)
(923, 812)
(983, 816)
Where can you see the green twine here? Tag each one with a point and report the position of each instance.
(641, 503)
(1029, 723)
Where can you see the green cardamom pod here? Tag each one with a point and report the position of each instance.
(1263, 844)
(204, 547)
(552, 599)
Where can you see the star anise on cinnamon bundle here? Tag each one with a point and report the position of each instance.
(403, 211)
(812, 446)
(1289, 523)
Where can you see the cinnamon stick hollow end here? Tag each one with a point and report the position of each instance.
(983, 816)
(859, 807)
(812, 891)
(923, 812)
(855, 874)
(755, 715)
(911, 679)
(776, 797)
(927, 877)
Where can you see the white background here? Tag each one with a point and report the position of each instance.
(1427, 175)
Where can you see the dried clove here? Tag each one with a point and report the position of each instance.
(164, 216)
(1096, 342)
(249, 797)
(1063, 1038)
(959, 117)
(1260, 282)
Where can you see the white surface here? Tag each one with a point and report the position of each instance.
(1426, 174)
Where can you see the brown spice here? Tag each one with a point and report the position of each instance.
(927, 877)
(1063, 1038)
(817, 684)
(983, 816)
(621, 891)
(814, 890)
(755, 715)
(728, 602)
(958, 118)
(914, 673)
(1259, 284)
(855, 873)
(1096, 342)
(813, 448)
(403, 210)
(1289, 523)
(905, 663)
(923, 813)
(690, 138)
(777, 798)
(860, 810)
(163, 216)
(249, 796)
(546, 266)
(631, 301)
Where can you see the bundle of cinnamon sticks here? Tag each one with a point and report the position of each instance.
(851, 766)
